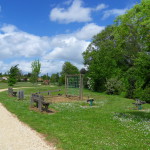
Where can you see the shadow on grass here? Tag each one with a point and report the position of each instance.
(139, 114)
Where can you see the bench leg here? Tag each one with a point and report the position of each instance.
(40, 106)
(46, 108)
(31, 102)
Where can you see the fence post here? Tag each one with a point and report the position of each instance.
(40, 103)
(31, 101)
(21, 95)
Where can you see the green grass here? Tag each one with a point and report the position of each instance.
(110, 125)
(18, 84)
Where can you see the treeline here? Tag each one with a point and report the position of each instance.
(15, 75)
(118, 58)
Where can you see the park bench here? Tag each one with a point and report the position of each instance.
(139, 103)
(40, 103)
(11, 92)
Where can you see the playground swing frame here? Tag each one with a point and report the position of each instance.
(79, 84)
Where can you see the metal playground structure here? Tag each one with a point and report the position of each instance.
(74, 85)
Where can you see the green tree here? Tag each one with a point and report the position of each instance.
(13, 75)
(102, 59)
(45, 77)
(133, 40)
(116, 51)
(36, 66)
(54, 78)
(142, 75)
(67, 68)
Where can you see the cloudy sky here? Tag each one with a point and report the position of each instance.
(53, 31)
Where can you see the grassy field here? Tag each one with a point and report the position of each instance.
(111, 124)
(19, 84)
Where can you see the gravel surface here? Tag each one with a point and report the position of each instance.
(15, 135)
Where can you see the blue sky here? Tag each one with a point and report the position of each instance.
(53, 31)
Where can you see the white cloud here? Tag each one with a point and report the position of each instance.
(15, 43)
(22, 48)
(51, 66)
(88, 31)
(8, 29)
(114, 12)
(46, 66)
(67, 48)
(100, 7)
(3, 67)
(75, 13)
(68, 2)
(23, 65)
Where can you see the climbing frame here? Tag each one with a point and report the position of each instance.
(74, 85)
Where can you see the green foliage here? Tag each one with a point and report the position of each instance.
(13, 75)
(102, 58)
(54, 78)
(113, 86)
(122, 51)
(36, 66)
(146, 95)
(45, 77)
(67, 68)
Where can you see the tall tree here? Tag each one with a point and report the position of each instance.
(13, 74)
(36, 66)
(67, 68)
(118, 49)
(54, 78)
(102, 58)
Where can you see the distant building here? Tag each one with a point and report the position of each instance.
(4, 78)
(40, 79)
(46, 82)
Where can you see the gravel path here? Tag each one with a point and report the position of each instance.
(14, 135)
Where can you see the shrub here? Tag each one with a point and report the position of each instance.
(113, 86)
(90, 83)
(145, 95)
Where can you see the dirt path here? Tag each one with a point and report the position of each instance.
(14, 135)
(1, 90)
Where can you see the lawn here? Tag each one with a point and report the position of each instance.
(4, 85)
(110, 124)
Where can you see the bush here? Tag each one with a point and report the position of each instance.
(3, 81)
(145, 95)
(113, 86)
(90, 83)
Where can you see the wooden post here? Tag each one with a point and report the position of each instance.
(40, 103)
(20, 95)
(81, 87)
(66, 85)
(31, 101)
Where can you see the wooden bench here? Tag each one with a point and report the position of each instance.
(39, 100)
(11, 92)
